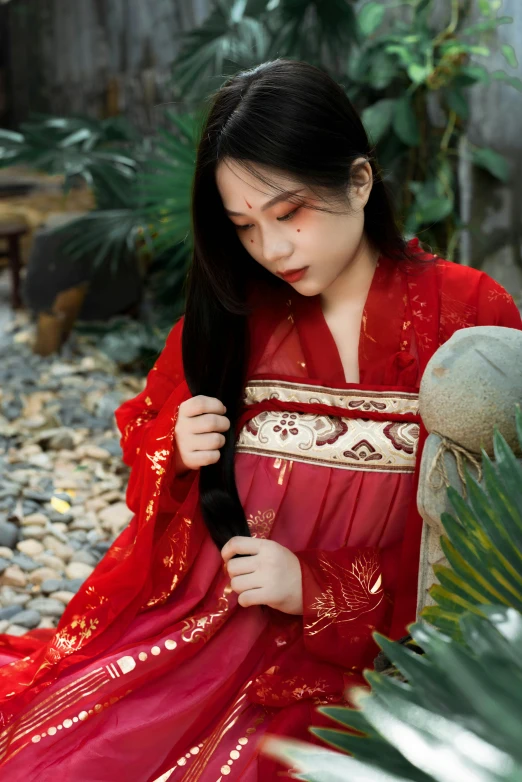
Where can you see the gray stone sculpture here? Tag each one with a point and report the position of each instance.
(471, 385)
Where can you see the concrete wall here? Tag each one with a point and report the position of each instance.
(95, 56)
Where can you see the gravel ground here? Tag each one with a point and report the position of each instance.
(62, 480)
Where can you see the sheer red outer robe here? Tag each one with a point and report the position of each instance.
(155, 671)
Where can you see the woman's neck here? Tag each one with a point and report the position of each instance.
(354, 282)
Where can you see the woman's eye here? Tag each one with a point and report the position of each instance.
(288, 216)
(281, 219)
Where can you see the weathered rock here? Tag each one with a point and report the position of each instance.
(6, 553)
(472, 382)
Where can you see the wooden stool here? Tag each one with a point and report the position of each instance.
(12, 232)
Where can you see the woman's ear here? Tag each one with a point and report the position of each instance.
(362, 180)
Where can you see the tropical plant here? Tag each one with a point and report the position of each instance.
(414, 83)
(457, 717)
(149, 213)
(240, 34)
(408, 80)
(454, 712)
(75, 147)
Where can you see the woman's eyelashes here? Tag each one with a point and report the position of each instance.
(284, 219)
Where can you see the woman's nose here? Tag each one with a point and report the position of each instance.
(276, 252)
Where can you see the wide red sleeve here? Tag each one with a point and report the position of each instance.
(165, 388)
(134, 417)
(347, 595)
(495, 306)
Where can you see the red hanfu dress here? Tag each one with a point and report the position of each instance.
(155, 671)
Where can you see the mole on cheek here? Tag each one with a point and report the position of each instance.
(298, 230)
(252, 241)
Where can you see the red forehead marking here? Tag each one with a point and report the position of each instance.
(248, 204)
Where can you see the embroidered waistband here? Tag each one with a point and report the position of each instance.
(347, 443)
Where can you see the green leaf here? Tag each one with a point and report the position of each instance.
(491, 161)
(378, 118)
(457, 102)
(513, 81)
(418, 73)
(434, 210)
(509, 54)
(370, 18)
(405, 123)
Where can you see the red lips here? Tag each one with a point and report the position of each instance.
(294, 275)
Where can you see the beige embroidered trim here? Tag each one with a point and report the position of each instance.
(351, 399)
(350, 444)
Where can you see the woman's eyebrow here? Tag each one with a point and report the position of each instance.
(272, 202)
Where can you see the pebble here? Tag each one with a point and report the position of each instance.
(87, 557)
(116, 517)
(78, 570)
(47, 623)
(16, 630)
(63, 596)
(4, 563)
(28, 618)
(8, 534)
(42, 574)
(61, 550)
(46, 606)
(13, 576)
(9, 612)
(35, 533)
(10, 596)
(59, 451)
(35, 520)
(52, 585)
(50, 560)
(30, 547)
(24, 562)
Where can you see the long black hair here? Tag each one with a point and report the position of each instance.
(291, 118)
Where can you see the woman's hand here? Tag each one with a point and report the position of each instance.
(270, 576)
(198, 432)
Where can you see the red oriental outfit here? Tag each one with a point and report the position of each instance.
(155, 671)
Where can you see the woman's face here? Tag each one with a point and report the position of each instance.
(287, 237)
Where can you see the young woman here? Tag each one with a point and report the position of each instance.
(273, 456)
